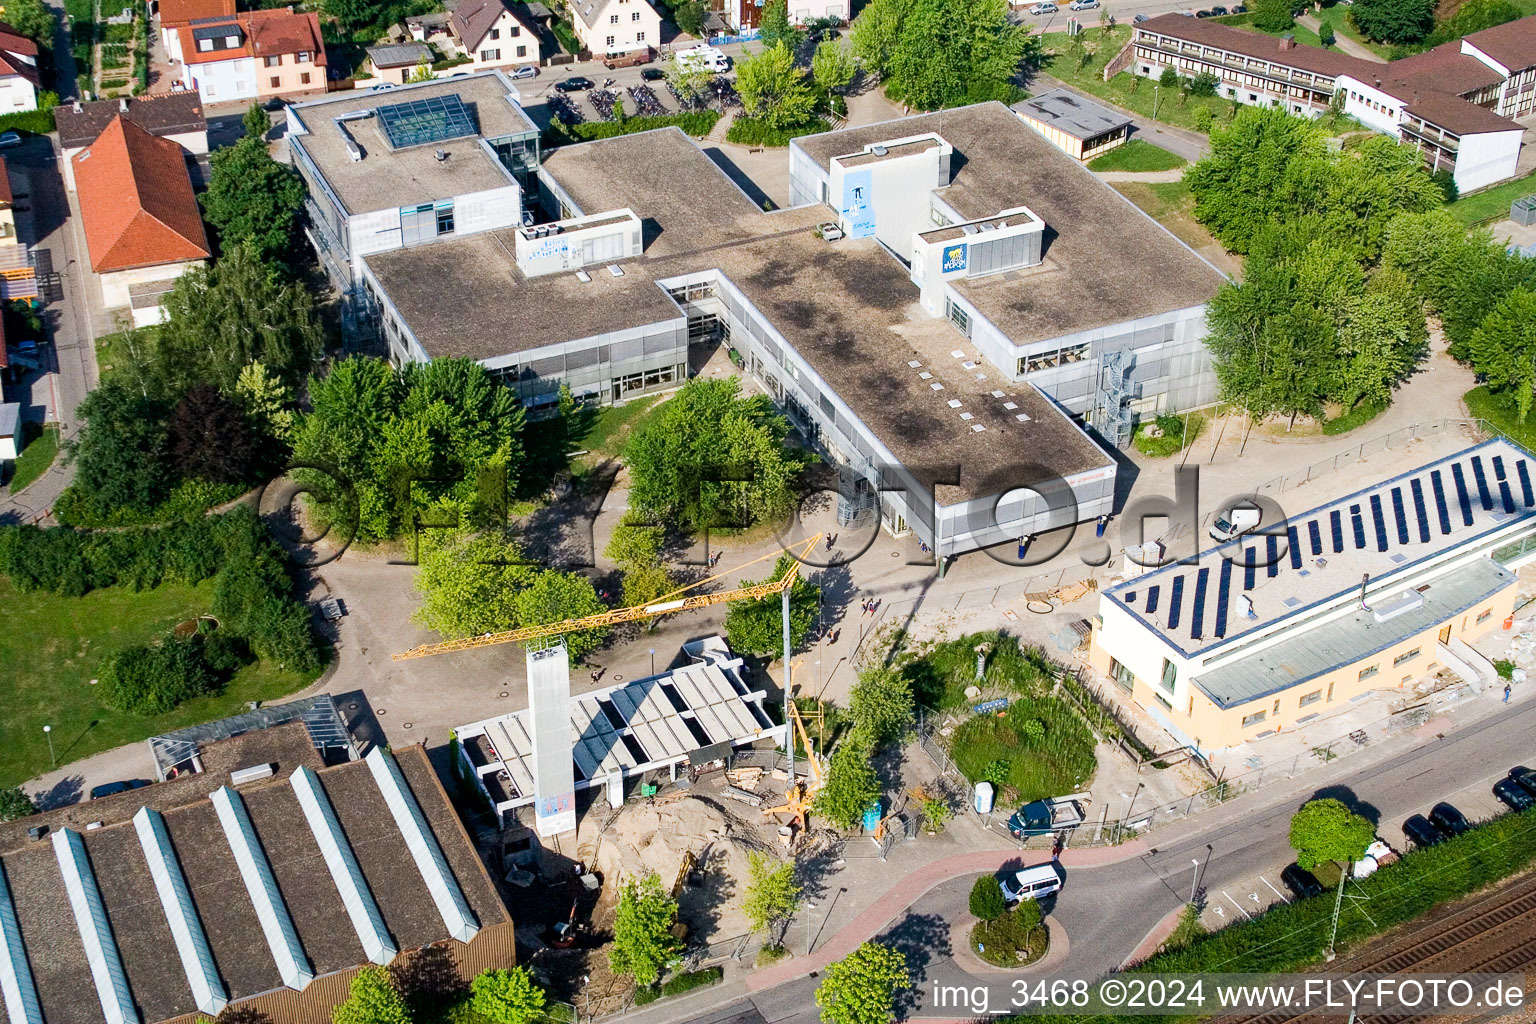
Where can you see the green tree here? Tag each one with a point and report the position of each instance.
(267, 401)
(851, 785)
(1325, 33)
(33, 19)
(881, 705)
(15, 804)
(1274, 15)
(1248, 178)
(643, 944)
(1394, 21)
(211, 437)
(689, 16)
(756, 625)
(1504, 348)
(987, 902)
(771, 895)
(507, 996)
(875, 33)
(151, 679)
(953, 52)
(469, 583)
(832, 66)
(373, 999)
(422, 72)
(121, 452)
(688, 77)
(861, 987)
(238, 311)
(775, 27)
(707, 431)
(252, 199)
(1381, 337)
(1169, 79)
(1474, 16)
(257, 122)
(554, 596)
(774, 89)
(1328, 830)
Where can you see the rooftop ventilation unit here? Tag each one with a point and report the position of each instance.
(1407, 601)
(969, 229)
(615, 270)
(583, 276)
(251, 774)
(989, 226)
(440, 154)
(878, 150)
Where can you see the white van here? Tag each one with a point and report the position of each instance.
(706, 57)
(1031, 883)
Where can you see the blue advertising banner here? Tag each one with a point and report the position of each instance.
(954, 258)
(857, 206)
(990, 705)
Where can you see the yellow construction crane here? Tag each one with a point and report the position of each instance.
(800, 795)
(663, 605)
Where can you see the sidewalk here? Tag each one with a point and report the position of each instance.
(1341, 42)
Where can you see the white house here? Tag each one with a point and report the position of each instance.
(493, 34)
(18, 71)
(611, 28)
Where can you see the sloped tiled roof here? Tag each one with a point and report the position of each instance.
(136, 201)
(172, 114)
(264, 34)
(174, 13)
(472, 19)
(1512, 44)
(1256, 44)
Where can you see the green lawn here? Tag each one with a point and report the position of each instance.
(1137, 155)
(1338, 17)
(1492, 204)
(1499, 410)
(1039, 748)
(53, 646)
(1083, 71)
(612, 426)
(42, 447)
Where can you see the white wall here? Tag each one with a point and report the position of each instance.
(115, 285)
(1358, 96)
(172, 40)
(16, 95)
(220, 81)
(1486, 158)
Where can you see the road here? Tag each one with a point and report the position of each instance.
(1106, 911)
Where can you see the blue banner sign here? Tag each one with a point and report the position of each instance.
(954, 258)
(991, 705)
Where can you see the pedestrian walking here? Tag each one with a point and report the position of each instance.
(1507, 688)
(876, 606)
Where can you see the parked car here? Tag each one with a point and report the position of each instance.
(1217, 12)
(1524, 778)
(1044, 8)
(576, 84)
(1514, 796)
(524, 71)
(27, 345)
(652, 74)
(1238, 9)
(382, 86)
(1301, 882)
(1448, 819)
(9, 139)
(1083, 5)
(1202, 14)
(1419, 829)
(1140, 18)
(1031, 883)
(109, 788)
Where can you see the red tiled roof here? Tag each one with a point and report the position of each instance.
(5, 186)
(1443, 69)
(472, 19)
(265, 34)
(1256, 44)
(174, 13)
(12, 41)
(1455, 114)
(1512, 44)
(136, 201)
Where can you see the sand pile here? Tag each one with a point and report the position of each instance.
(657, 836)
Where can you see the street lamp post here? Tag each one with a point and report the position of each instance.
(1155, 87)
(653, 661)
(48, 732)
(808, 908)
(1195, 880)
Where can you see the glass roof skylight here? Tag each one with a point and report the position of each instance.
(425, 121)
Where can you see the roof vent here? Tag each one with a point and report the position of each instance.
(251, 774)
(969, 229)
(615, 270)
(878, 150)
(37, 831)
(989, 226)
(78, 108)
(93, 826)
(441, 154)
(583, 276)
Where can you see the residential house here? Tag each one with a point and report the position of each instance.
(396, 62)
(749, 13)
(1377, 592)
(177, 116)
(142, 225)
(1453, 103)
(18, 71)
(1078, 127)
(257, 55)
(611, 28)
(495, 34)
(175, 15)
(18, 276)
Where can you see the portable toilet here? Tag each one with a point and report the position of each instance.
(872, 817)
(982, 798)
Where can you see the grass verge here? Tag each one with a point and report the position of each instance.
(1499, 410)
(42, 448)
(1175, 434)
(52, 648)
(1492, 204)
(1356, 417)
(1083, 70)
(1137, 155)
(1039, 748)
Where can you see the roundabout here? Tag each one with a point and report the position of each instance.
(1058, 948)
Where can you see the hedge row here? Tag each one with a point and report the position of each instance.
(1290, 936)
(697, 123)
(680, 984)
(751, 131)
(252, 583)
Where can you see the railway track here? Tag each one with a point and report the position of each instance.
(1494, 934)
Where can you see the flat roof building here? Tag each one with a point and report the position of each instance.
(989, 290)
(1077, 126)
(184, 898)
(1304, 615)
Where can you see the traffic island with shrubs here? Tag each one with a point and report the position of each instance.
(1002, 937)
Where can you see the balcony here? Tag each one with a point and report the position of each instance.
(1239, 65)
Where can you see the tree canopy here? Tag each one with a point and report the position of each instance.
(711, 457)
(33, 19)
(832, 66)
(775, 27)
(1274, 15)
(881, 705)
(943, 53)
(1328, 830)
(756, 626)
(252, 198)
(643, 945)
(373, 999)
(1394, 21)
(15, 804)
(774, 89)
(986, 900)
(771, 895)
(861, 987)
(1503, 348)
(507, 996)
(851, 785)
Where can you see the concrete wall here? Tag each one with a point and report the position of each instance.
(1487, 158)
(115, 285)
(17, 95)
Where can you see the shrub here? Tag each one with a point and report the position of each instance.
(1505, 668)
(692, 980)
(770, 955)
(1203, 84)
(697, 123)
(1204, 121)
(1012, 939)
(1044, 747)
(151, 679)
(1168, 79)
(1173, 439)
(754, 131)
(987, 903)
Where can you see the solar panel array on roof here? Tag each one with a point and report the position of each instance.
(1152, 595)
(1378, 522)
(1197, 610)
(1315, 535)
(1250, 567)
(16, 984)
(425, 121)
(1223, 594)
(1482, 484)
(1336, 526)
(1400, 515)
(1271, 555)
(1462, 497)
(1175, 600)
(180, 913)
(1357, 524)
(1525, 483)
(94, 928)
(1442, 506)
(1293, 542)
